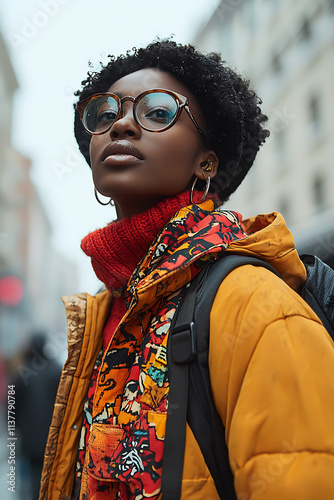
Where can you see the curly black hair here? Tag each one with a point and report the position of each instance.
(232, 116)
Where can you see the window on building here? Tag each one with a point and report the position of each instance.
(277, 64)
(319, 192)
(315, 115)
(305, 30)
(314, 109)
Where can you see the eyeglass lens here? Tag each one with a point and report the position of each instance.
(154, 111)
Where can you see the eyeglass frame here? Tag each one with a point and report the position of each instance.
(181, 101)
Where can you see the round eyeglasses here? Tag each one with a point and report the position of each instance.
(154, 110)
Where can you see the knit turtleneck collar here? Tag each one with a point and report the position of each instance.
(116, 249)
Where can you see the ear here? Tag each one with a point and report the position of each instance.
(207, 165)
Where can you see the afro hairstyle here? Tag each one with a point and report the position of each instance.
(232, 116)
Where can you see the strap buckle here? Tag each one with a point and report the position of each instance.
(183, 343)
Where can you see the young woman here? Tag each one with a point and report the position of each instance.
(169, 134)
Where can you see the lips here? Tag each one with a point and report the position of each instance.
(121, 149)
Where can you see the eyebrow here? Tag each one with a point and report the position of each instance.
(122, 94)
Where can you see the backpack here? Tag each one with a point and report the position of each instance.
(190, 396)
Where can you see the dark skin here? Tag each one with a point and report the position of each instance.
(162, 164)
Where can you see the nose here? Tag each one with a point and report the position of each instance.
(126, 125)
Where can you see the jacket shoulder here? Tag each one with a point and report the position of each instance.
(253, 306)
(269, 359)
(249, 288)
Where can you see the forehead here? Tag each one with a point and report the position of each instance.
(147, 79)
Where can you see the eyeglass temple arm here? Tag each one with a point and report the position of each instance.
(186, 107)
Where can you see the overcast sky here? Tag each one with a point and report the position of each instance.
(50, 44)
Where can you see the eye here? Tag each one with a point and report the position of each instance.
(106, 116)
(160, 114)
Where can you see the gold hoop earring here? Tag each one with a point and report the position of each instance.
(110, 202)
(207, 186)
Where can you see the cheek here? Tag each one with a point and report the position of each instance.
(178, 150)
(94, 147)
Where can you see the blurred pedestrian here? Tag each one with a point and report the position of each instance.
(35, 387)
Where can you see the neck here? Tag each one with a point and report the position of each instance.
(116, 249)
(139, 206)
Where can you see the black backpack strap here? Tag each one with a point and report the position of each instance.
(188, 357)
(180, 351)
(318, 290)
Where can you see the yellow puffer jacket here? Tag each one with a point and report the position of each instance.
(271, 366)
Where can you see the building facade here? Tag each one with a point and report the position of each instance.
(33, 276)
(286, 49)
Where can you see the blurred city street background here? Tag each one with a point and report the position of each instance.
(47, 204)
